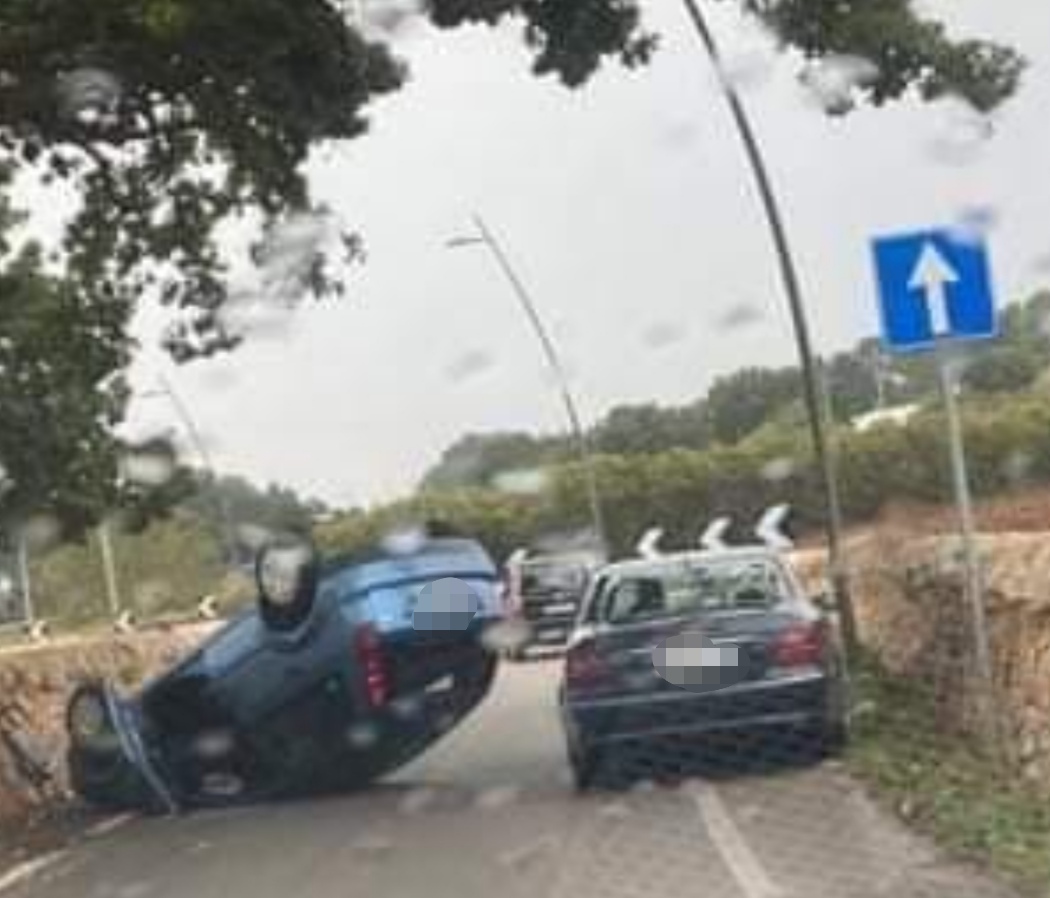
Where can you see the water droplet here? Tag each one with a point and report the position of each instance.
(663, 334)
(389, 17)
(41, 532)
(468, 365)
(738, 316)
(778, 469)
(362, 736)
(370, 844)
(89, 96)
(616, 810)
(961, 132)
(407, 706)
(526, 855)
(417, 801)
(525, 482)
(148, 467)
(748, 70)
(834, 81)
(253, 537)
(974, 223)
(1017, 467)
(507, 635)
(498, 797)
(213, 744)
(407, 541)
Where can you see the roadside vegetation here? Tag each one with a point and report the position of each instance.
(942, 785)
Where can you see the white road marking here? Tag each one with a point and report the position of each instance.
(739, 857)
(28, 869)
(103, 827)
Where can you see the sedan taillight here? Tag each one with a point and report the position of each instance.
(800, 645)
(368, 649)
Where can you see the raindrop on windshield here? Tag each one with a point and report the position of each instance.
(88, 95)
(417, 801)
(389, 17)
(974, 223)
(506, 635)
(1017, 467)
(778, 469)
(149, 467)
(961, 132)
(253, 537)
(407, 541)
(833, 82)
(362, 736)
(740, 315)
(468, 365)
(498, 797)
(41, 531)
(526, 482)
(663, 334)
(747, 70)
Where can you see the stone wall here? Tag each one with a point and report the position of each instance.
(912, 613)
(37, 680)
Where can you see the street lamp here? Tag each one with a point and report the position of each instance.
(166, 391)
(485, 237)
(813, 390)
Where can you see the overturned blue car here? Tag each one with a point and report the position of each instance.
(342, 673)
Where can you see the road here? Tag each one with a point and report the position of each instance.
(490, 812)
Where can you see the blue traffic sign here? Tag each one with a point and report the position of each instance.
(934, 287)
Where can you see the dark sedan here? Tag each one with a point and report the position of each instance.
(698, 644)
(329, 683)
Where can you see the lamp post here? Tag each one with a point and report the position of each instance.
(224, 516)
(813, 389)
(485, 237)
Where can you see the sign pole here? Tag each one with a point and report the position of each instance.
(972, 586)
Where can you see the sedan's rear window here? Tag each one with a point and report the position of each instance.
(674, 589)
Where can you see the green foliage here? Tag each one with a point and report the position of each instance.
(476, 459)
(165, 569)
(910, 51)
(739, 403)
(60, 395)
(941, 785)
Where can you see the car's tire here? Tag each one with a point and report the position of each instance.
(584, 764)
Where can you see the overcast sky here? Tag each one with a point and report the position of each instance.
(628, 209)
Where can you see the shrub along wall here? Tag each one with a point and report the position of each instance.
(680, 490)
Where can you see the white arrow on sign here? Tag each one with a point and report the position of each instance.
(712, 537)
(932, 274)
(770, 528)
(648, 545)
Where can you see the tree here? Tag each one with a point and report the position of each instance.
(634, 429)
(476, 460)
(174, 118)
(60, 395)
(739, 403)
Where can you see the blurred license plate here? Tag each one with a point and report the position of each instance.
(560, 608)
(557, 635)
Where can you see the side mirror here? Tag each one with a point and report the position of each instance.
(286, 575)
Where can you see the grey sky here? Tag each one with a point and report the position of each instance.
(629, 211)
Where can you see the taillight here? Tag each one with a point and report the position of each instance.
(800, 645)
(369, 651)
(583, 664)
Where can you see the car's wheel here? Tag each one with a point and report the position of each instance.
(584, 762)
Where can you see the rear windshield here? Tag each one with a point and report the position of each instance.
(550, 577)
(674, 589)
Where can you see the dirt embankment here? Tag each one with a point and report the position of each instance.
(36, 682)
(907, 586)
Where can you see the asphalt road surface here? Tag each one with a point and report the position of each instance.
(490, 812)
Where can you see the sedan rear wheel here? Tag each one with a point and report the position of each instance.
(584, 763)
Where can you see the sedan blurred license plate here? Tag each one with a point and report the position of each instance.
(560, 608)
(559, 634)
